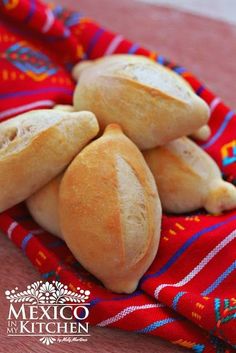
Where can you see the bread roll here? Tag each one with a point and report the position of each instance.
(43, 206)
(64, 107)
(202, 134)
(36, 146)
(188, 178)
(153, 104)
(110, 212)
(78, 68)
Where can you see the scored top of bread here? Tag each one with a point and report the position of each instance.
(133, 209)
(153, 104)
(110, 212)
(38, 145)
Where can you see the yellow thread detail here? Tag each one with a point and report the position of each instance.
(41, 254)
(233, 300)
(206, 298)
(224, 149)
(184, 343)
(72, 287)
(179, 226)
(171, 231)
(80, 51)
(38, 262)
(186, 74)
(13, 75)
(153, 56)
(196, 316)
(200, 306)
(5, 75)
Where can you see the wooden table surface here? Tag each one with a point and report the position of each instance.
(207, 48)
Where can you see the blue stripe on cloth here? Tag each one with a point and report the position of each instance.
(74, 19)
(124, 297)
(198, 348)
(133, 48)
(220, 131)
(161, 60)
(176, 299)
(220, 279)
(200, 90)
(36, 91)
(155, 325)
(179, 70)
(31, 11)
(66, 33)
(57, 10)
(184, 247)
(48, 274)
(94, 41)
(14, 47)
(25, 241)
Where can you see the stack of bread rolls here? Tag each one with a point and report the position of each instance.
(105, 197)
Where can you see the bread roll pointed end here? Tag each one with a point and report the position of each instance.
(121, 286)
(78, 68)
(64, 107)
(221, 197)
(202, 134)
(113, 129)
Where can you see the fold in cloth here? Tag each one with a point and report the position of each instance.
(188, 295)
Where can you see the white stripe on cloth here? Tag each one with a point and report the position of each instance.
(12, 111)
(113, 45)
(126, 312)
(199, 267)
(214, 104)
(49, 21)
(12, 226)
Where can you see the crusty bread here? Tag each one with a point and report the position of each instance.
(78, 68)
(110, 212)
(38, 145)
(43, 206)
(153, 104)
(64, 107)
(202, 134)
(188, 178)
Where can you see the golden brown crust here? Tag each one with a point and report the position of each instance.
(31, 165)
(150, 115)
(64, 107)
(90, 212)
(43, 206)
(188, 178)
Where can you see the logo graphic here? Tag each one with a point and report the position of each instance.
(50, 311)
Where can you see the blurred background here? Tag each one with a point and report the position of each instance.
(220, 9)
(198, 34)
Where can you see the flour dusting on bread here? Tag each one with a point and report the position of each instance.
(133, 210)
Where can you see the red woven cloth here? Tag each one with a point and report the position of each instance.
(188, 296)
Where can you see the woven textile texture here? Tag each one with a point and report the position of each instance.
(188, 296)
